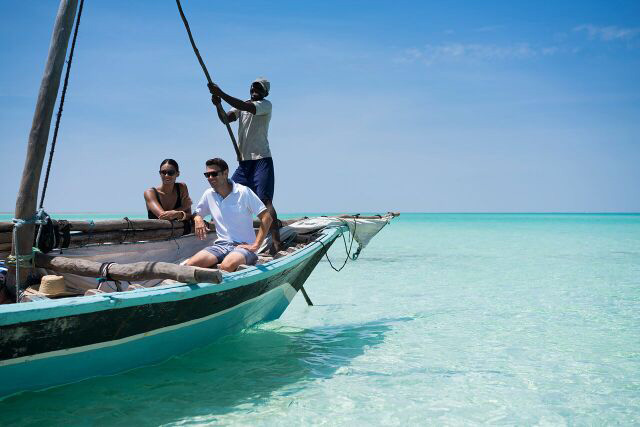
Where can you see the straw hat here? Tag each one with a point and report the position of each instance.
(51, 286)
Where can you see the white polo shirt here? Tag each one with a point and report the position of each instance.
(233, 215)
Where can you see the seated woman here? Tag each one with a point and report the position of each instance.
(171, 199)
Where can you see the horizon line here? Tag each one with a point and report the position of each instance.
(376, 212)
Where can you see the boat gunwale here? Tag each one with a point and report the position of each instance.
(39, 310)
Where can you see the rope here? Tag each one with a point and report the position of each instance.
(174, 238)
(22, 260)
(348, 251)
(40, 218)
(44, 217)
(105, 277)
(60, 107)
(129, 228)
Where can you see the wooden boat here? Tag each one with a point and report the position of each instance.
(87, 332)
(56, 341)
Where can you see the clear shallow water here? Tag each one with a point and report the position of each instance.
(445, 319)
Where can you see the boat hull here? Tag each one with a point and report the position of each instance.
(57, 342)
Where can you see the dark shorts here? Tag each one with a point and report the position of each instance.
(222, 248)
(258, 176)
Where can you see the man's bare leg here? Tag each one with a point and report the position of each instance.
(275, 226)
(203, 259)
(232, 261)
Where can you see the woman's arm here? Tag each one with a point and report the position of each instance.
(185, 202)
(153, 204)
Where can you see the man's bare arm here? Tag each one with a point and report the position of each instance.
(231, 116)
(234, 102)
(201, 227)
(265, 224)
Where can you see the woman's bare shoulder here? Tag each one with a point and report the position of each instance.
(151, 192)
(183, 186)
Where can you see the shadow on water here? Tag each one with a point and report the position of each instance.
(235, 373)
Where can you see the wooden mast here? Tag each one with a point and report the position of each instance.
(28, 193)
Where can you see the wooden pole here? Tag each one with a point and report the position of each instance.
(221, 111)
(37, 145)
(133, 271)
(306, 297)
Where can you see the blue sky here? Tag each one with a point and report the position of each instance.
(411, 106)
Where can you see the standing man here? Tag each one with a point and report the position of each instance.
(256, 165)
(232, 207)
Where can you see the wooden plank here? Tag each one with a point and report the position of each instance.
(121, 224)
(118, 236)
(133, 271)
(100, 233)
(122, 236)
(109, 225)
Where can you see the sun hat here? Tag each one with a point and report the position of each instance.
(51, 286)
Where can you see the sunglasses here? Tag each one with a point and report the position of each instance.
(211, 174)
(168, 173)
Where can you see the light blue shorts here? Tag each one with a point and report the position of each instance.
(222, 248)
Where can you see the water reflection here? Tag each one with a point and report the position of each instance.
(236, 371)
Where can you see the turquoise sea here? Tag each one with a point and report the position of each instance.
(446, 319)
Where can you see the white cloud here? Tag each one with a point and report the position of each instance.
(608, 33)
(472, 51)
(455, 51)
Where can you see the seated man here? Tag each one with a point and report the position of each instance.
(232, 207)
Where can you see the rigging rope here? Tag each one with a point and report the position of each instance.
(348, 251)
(60, 107)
